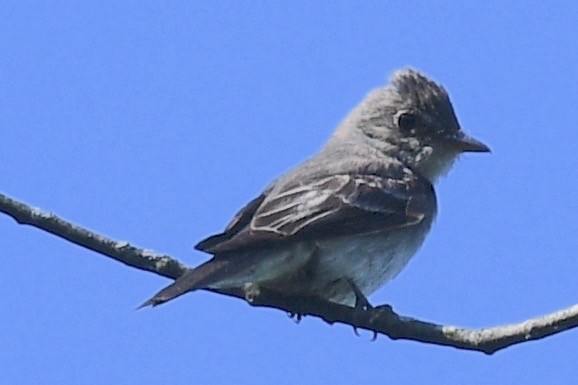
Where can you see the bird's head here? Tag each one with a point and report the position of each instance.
(413, 120)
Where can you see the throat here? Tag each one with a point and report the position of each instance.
(434, 163)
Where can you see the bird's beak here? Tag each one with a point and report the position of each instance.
(466, 143)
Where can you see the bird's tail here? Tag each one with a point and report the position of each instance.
(193, 279)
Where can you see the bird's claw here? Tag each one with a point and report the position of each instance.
(295, 316)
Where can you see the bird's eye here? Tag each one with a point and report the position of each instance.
(407, 121)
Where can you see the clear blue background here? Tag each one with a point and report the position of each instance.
(153, 123)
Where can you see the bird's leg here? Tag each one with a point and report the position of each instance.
(361, 301)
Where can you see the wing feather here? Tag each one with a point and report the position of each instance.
(344, 204)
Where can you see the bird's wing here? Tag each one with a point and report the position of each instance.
(342, 204)
(240, 221)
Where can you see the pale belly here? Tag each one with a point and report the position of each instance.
(367, 261)
(327, 268)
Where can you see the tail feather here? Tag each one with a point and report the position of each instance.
(193, 279)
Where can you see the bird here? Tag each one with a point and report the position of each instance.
(347, 220)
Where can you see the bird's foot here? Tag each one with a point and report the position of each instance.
(296, 316)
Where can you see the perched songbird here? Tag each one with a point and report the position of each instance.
(346, 221)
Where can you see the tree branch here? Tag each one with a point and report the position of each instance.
(380, 320)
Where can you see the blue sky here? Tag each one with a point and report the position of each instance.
(153, 123)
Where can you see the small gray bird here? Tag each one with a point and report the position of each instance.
(346, 221)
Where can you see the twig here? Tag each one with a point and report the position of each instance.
(381, 319)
